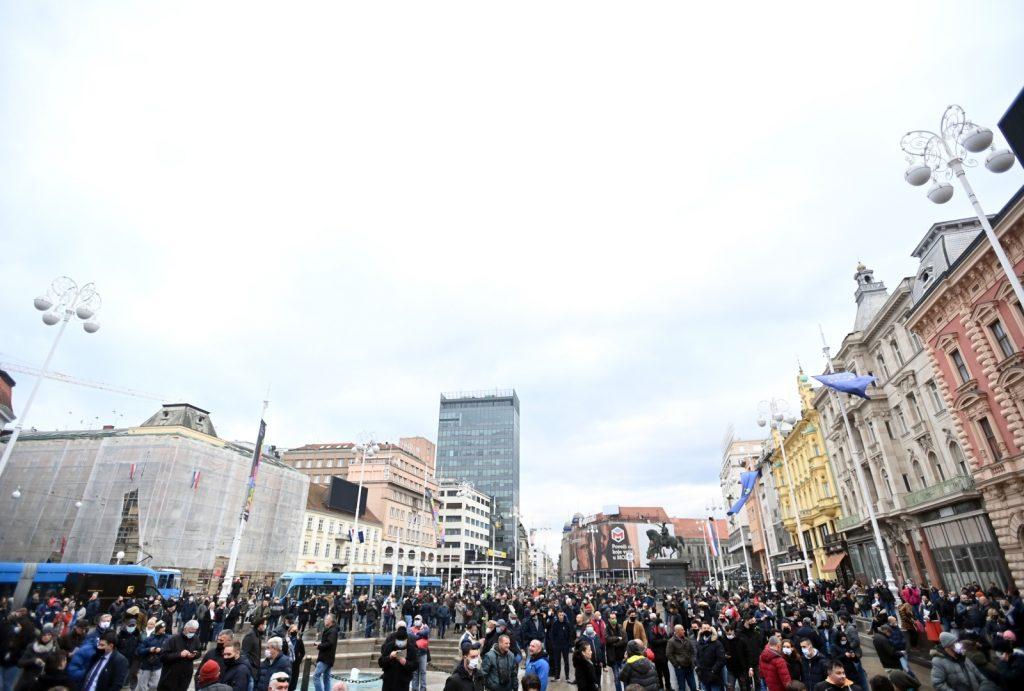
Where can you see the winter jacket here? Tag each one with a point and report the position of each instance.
(78, 665)
(538, 665)
(177, 670)
(680, 651)
(954, 674)
(634, 630)
(560, 636)
(615, 644)
(128, 643)
(710, 659)
(270, 667)
(114, 673)
(500, 671)
(736, 659)
(586, 673)
(236, 674)
(462, 679)
(252, 648)
(151, 661)
(774, 670)
(327, 648)
(815, 670)
(397, 675)
(887, 654)
(639, 670)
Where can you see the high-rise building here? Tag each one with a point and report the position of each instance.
(478, 442)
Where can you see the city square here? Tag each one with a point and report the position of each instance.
(465, 347)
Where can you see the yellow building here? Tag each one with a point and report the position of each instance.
(815, 489)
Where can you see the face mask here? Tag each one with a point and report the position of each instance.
(807, 653)
(401, 644)
(104, 625)
(590, 631)
(730, 636)
(17, 629)
(842, 641)
(474, 663)
(190, 634)
(706, 636)
(130, 627)
(787, 651)
(958, 648)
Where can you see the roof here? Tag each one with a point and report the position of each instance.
(182, 415)
(316, 500)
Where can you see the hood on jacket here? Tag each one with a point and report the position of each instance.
(642, 664)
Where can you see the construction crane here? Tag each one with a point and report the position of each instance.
(68, 379)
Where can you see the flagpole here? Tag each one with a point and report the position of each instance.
(236, 543)
(363, 448)
(890, 580)
(707, 552)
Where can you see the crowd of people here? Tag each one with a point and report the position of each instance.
(787, 637)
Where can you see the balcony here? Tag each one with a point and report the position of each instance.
(807, 514)
(847, 522)
(954, 485)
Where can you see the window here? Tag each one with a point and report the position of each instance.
(906, 482)
(896, 352)
(990, 438)
(933, 391)
(882, 367)
(888, 430)
(916, 342)
(915, 410)
(327, 550)
(960, 366)
(1002, 339)
(316, 548)
(902, 420)
(309, 522)
(305, 548)
(958, 457)
(320, 525)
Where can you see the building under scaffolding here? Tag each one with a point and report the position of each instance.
(166, 493)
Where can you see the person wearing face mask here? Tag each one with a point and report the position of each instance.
(273, 662)
(589, 635)
(710, 660)
(296, 646)
(108, 669)
(738, 664)
(128, 640)
(951, 670)
(633, 630)
(773, 666)
(177, 657)
(235, 671)
(559, 645)
(399, 660)
(83, 655)
(792, 657)
(466, 676)
(32, 660)
(815, 668)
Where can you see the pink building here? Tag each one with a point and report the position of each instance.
(966, 313)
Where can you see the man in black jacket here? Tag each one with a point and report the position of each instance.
(326, 650)
(887, 654)
(109, 668)
(179, 653)
(252, 644)
(815, 667)
(709, 659)
(559, 644)
(235, 670)
(467, 677)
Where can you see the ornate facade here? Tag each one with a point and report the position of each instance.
(813, 490)
(972, 325)
(913, 465)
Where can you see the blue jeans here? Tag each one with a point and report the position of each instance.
(419, 677)
(684, 678)
(408, 621)
(9, 677)
(322, 677)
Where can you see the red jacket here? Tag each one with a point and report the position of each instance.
(773, 670)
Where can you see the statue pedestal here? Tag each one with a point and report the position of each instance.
(669, 573)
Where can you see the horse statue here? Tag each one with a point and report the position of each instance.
(660, 541)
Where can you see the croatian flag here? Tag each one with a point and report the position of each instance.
(747, 482)
(712, 537)
(195, 479)
(352, 535)
(847, 382)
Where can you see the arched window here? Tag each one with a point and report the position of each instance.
(389, 552)
(957, 454)
(919, 473)
(933, 461)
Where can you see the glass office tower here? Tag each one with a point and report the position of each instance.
(478, 442)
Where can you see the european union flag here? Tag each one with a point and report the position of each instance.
(747, 483)
(847, 382)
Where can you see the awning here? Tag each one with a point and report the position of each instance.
(833, 562)
(791, 566)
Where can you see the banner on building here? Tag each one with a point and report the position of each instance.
(438, 526)
(257, 454)
(748, 481)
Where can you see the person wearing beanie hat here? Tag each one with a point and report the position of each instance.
(950, 667)
(208, 674)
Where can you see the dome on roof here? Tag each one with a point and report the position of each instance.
(861, 267)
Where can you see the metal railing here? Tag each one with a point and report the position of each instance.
(847, 522)
(954, 485)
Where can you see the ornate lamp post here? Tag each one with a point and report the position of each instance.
(945, 153)
(63, 299)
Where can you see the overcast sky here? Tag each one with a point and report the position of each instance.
(636, 214)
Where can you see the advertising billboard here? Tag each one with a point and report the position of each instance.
(612, 542)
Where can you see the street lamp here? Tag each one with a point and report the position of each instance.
(593, 546)
(945, 153)
(496, 525)
(774, 413)
(119, 555)
(367, 450)
(63, 299)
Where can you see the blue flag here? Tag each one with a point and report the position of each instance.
(847, 382)
(747, 483)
